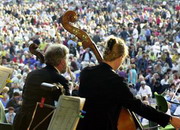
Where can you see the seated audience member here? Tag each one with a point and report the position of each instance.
(15, 101)
(145, 90)
(10, 115)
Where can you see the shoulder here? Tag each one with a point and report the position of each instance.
(147, 87)
(99, 69)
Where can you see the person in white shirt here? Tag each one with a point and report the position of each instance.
(165, 47)
(156, 48)
(177, 111)
(135, 34)
(10, 115)
(165, 80)
(145, 90)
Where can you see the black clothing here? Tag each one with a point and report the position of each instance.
(13, 103)
(89, 53)
(75, 93)
(74, 66)
(169, 61)
(12, 50)
(96, 38)
(72, 50)
(124, 35)
(106, 93)
(33, 93)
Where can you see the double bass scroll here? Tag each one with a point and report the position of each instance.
(71, 17)
(33, 49)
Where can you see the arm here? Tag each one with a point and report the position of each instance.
(149, 92)
(130, 102)
(130, 75)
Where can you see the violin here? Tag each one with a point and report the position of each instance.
(127, 119)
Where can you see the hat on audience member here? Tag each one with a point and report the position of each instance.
(11, 108)
(143, 82)
(5, 89)
(156, 43)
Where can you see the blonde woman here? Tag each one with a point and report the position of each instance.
(106, 93)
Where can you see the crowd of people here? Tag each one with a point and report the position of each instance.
(150, 30)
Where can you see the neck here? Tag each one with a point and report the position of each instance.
(113, 64)
(110, 64)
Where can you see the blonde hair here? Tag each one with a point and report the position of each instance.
(115, 48)
(133, 66)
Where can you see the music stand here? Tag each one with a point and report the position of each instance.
(39, 122)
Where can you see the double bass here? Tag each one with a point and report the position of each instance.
(127, 119)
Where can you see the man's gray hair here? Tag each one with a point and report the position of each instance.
(55, 53)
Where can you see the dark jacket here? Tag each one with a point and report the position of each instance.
(13, 102)
(33, 93)
(142, 64)
(105, 94)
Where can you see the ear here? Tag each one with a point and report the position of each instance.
(61, 63)
(120, 58)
